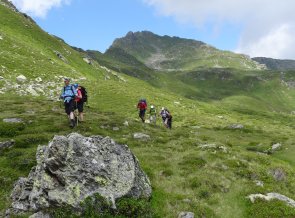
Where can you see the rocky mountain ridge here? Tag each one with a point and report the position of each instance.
(174, 53)
(276, 64)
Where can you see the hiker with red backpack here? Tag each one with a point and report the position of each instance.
(68, 95)
(142, 106)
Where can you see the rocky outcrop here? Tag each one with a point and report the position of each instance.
(87, 60)
(271, 196)
(72, 168)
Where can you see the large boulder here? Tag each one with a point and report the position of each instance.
(73, 168)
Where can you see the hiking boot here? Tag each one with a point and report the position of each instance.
(72, 123)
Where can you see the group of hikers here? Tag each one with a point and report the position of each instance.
(74, 96)
(164, 114)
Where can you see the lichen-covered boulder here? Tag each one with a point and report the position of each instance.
(72, 168)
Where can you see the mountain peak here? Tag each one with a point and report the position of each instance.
(175, 53)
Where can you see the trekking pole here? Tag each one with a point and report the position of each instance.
(60, 116)
(76, 114)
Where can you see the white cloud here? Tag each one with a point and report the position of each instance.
(268, 26)
(38, 8)
(277, 43)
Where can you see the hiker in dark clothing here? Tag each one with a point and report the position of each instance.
(68, 95)
(142, 106)
(166, 117)
(79, 103)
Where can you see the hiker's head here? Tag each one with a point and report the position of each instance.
(163, 108)
(76, 86)
(67, 81)
(152, 106)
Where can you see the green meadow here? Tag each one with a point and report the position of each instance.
(202, 164)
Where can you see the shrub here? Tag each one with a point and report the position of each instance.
(131, 207)
(97, 206)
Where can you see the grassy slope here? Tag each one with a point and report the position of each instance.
(210, 182)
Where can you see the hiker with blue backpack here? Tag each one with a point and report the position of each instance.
(69, 93)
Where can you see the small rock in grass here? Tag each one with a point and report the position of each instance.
(186, 215)
(141, 136)
(12, 120)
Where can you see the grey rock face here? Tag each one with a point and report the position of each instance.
(72, 168)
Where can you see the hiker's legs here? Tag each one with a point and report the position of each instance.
(141, 115)
(69, 108)
(163, 119)
(80, 109)
(72, 116)
(81, 117)
(166, 122)
(169, 123)
(153, 119)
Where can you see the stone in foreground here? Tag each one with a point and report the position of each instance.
(72, 168)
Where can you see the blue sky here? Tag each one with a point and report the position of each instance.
(254, 27)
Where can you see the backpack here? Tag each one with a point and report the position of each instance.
(153, 111)
(73, 93)
(142, 103)
(84, 94)
(142, 100)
